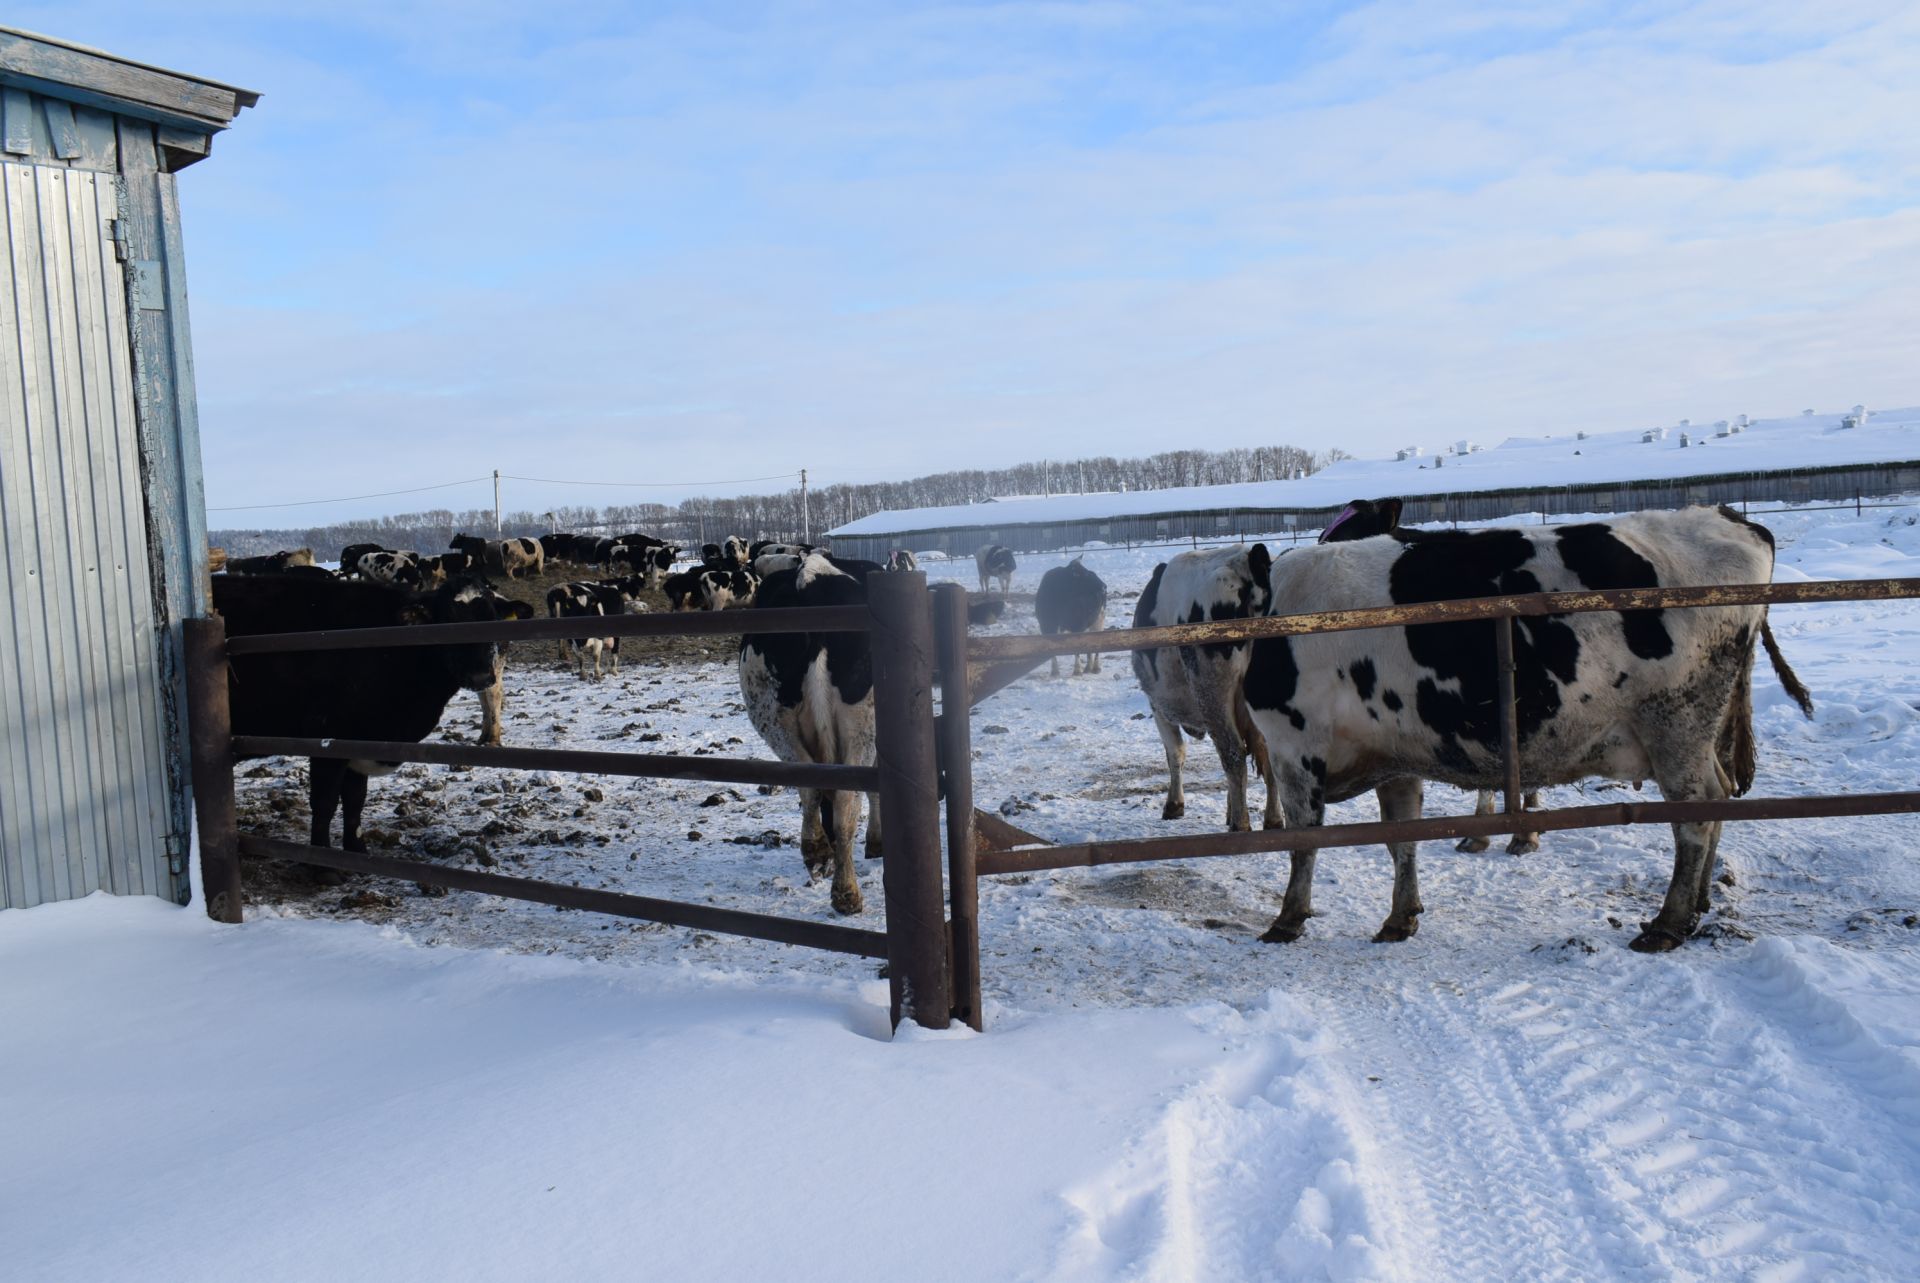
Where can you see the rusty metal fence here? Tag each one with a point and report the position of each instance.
(920, 643)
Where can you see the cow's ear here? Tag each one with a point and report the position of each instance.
(1260, 561)
(1392, 508)
(519, 610)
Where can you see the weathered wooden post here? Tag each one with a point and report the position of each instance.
(903, 659)
(1509, 714)
(210, 739)
(956, 768)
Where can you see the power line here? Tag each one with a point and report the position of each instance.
(644, 485)
(352, 498)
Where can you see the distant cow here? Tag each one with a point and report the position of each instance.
(351, 554)
(682, 590)
(720, 589)
(557, 547)
(588, 601)
(995, 562)
(396, 693)
(772, 563)
(271, 564)
(763, 547)
(810, 695)
(902, 559)
(402, 569)
(509, 557)
(984, 612)
(1072, 599)
(651, 560)
(1201, 689)
(734, 550)
(1638, 694)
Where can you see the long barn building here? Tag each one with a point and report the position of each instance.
(1805, 458)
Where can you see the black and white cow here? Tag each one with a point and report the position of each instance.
(995, 561)
(720, 589)
(810, 695)
(652, 560)
(1363, 519)
(772, 563)
(510, 557)
(1072, 599)
(1640, 694)
(902, 559)
(683, 590)
(398, 693)
(402, 569)
(1199, 689)
(588, 601)
(351, 554)
(734, 552)
(761, 547)
(272, 563)
(557, 548)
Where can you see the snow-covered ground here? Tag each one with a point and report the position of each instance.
(1511, 1094)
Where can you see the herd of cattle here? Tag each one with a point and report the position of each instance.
(1322, 717)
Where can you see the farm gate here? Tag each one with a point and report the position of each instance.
(924, 763)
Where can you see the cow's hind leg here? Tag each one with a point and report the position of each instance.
(1301, 812)
(353, 804)
(324, 786)
(1231, 744)
(493, 701)
(814, 850)
(1693, 778)
(1400, 800)
(842, 813)
(1170, 739)
(1526, 843)
(1482, 805)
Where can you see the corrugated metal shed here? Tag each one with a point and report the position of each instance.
(100, 500)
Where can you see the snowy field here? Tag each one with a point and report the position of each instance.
(374, 1082)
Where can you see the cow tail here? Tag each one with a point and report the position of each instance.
(1789, 680)
(1738, 754)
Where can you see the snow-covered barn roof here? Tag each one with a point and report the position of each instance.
(1720, 449)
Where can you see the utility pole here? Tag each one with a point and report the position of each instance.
(496, 503)
(806, 533)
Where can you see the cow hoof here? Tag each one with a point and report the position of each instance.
(1283, 933)
(1173, 810)
(1654, 938)
(848, 902)
(1471, 846)
(1523, 846)
(1396, 932)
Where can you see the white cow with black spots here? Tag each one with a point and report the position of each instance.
(1634, 695)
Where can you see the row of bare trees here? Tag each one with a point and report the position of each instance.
(778, 516)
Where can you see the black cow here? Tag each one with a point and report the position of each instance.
(683, 589)
(398, 693)
(984, 612)
(272, 564)
(995, 561)
(810, 695)
(1072, 599)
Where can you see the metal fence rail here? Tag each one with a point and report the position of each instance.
(915, 943)
(920, 644)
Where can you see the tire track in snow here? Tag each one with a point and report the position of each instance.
(1715, 1116)
(1479, 1185)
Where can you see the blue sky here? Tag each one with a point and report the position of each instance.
(667, 243)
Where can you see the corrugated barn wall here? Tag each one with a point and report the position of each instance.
(101, 512)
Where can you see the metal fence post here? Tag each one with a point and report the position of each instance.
(903, 659)
(956, 768)
(210, 740)
(1509, 714)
